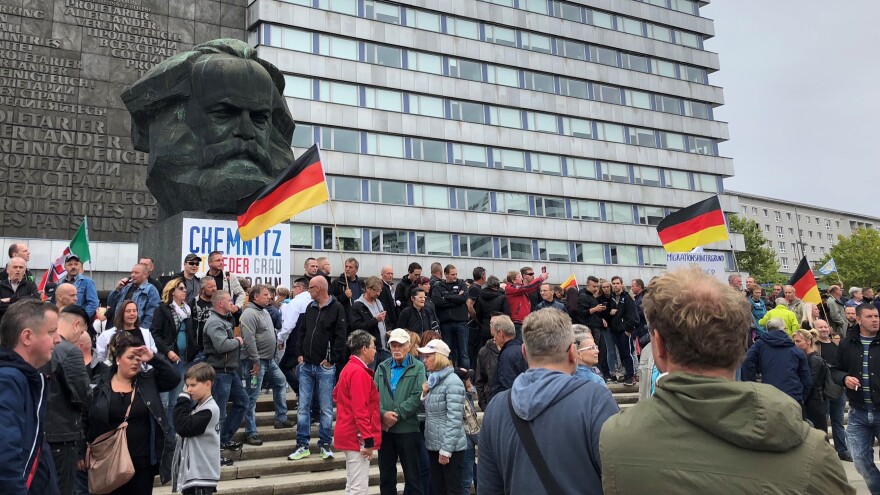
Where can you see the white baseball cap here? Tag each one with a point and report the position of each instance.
(435, 346)
(399, 335)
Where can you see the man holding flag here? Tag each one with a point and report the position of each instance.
(86, 293)
(57, 273)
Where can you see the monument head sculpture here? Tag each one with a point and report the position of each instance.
(215, 124)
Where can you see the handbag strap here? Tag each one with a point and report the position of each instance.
(527, 437)
(130, 403)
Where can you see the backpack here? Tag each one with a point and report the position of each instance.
(832, 390)
(472, 423)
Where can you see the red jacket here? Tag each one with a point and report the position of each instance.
(518, 298)
(357, 408)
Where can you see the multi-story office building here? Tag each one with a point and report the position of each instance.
(795, 230)
(500, 133)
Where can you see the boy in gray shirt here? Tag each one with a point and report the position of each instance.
(196, 466)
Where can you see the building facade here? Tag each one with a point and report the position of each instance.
(795, 230)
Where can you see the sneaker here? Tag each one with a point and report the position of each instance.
(613, 378)
(230, 445)
(846, 456)
(225, 461)
(628, 382)
(326, 453)
(299, 453)
(284, 424)
(254, 440)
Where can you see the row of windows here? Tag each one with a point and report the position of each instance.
(794, 250)
(473, 70)
(389, 241)
(686, 6)
(780, 232)
(394, 146)
(479, 200)
(778, 216)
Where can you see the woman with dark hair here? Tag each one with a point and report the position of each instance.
(126, 319)
(417, 316)
(126, 384)
(490, 302)
(570, 299)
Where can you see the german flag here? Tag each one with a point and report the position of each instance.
(697, 225)
(804, 283)
(299, 188)
(569, 282)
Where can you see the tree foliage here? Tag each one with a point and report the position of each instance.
(857, 257)
(758, 259)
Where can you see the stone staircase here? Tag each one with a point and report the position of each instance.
(265, 470)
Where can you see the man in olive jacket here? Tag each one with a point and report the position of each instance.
(400, 380)
(709, 433)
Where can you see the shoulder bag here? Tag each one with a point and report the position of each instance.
(527, 437)
(108, 459)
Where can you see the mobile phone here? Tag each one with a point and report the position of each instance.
(543, 269)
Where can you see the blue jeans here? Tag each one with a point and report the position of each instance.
(456, 337)
(835, 410)
(610, 351)
(279, 391)
(863, 428)
(309, 374)
(228, 386)
(169, 399)
(468, 466)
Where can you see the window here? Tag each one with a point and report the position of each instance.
(790, 231)
(828, 224)
(426, 105)
(384, 12)
(505, 117)
(389, 241)
(669, 104)
(634, 62)
(553, 251)
(385, 145)
(383, 55)
(671, 141)
(624, 255)
(342, 140)
(574, 88)
(547, 164)
(653, 256)
(686, 6)
(468, 154)
(812, 249)
(610, 132)
(425, 62)
(788, 215)
(509, 159)
(618, 213)
(472, 200)
(808, 219)
(539, 6)
(342, 6)
(693, 74)
(810, 234)
(601, 19)
(779, 232)
(782, 247)
(391, 193)
(504, 76)
(649, 176)
(767, 228)
(433, 243)
(516, 249)
(662, 68)
(297, 87)
(475, 246)
(588, 252)
(291, 39)
(349, 238)
(637, 99)
(777, 215)
(579, 167)
(571, 49)
(651, 215)
(423, 20)
(517, 204)
(464, 28)
(428, 150)
(688, 39)
(542, 122)
(302, 136)
(536, 42)
(500, 35)
(642, 137)
(678, 179)
(338, 47)
(568, 11)
(344, 188)
(465, 69)
(383, 99)
(629, 25)
(585, 209)
(577, 127)
(819, 235)
(604, 56)
(766, 213)
(538, 81)
(430, 196)
(550, 207)
(615, 172)
(344, 94)
(659, 33)
(301, 236)
(707, 183)
(701, 146)
(784, 263)
(697, 109)
(608, 94)
(468, 112)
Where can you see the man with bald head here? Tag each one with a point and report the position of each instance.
(65, 295)
(16, 287)
(387, 299)
(19, 250)
(138, 289)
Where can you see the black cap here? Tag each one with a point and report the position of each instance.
(192, 257)
(71, 256)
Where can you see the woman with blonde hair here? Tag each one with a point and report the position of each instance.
(815, 405)
(811, 314)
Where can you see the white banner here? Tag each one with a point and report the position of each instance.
(263, 260)
(714, 264)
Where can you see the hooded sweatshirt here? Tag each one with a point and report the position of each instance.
(780, 363)
(566, 415)
(713, 435)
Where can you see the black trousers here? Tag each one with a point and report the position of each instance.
(65, 455)
(446, 480)
(624, 352)
(403, 446)
(814, 411)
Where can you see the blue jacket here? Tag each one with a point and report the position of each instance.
(511, 364)
(86, 294)
(759, 309)
(146, 297)
(780, 363)
(561, 408)
(24, 451)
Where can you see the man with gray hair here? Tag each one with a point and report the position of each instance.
(545, 402)
(836, 311)
(511, 362)
(855, 296)
(16, 286)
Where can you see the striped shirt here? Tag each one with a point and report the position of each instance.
(865, 378)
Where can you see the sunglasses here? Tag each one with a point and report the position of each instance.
(193, 263)
(531, 274)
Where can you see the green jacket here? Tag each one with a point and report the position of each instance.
(407, 398)
(711, 435)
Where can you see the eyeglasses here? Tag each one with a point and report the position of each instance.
(193, 263)
(531, 274)
(180, 288)
(312, 287)
(589, 348)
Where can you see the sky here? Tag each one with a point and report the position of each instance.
(802, 97)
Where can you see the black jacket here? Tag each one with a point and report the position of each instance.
(164, 332)
(161, 378)
(362, 319)
(69, 394)
(490, 301)
(26, 290)
(626, 319)
(587, 301)
(401, 294)
(511, 364)
(450, 299)
(321, 333)
(849, 363)
(337, 290)
(387, 298)
(418, 321)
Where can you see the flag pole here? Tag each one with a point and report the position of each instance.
(335, 227)
(729, 240)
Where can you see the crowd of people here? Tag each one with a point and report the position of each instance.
(405, 366)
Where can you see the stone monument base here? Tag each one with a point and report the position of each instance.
(162, 241)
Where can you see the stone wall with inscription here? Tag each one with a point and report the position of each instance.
(65, 148)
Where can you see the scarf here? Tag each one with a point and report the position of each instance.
(180, 314)
(438, 376)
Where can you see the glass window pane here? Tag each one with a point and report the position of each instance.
(517, 204)
(468, 112)
(431, 196)
(608, 94)
(464, 28)
(573, 49)
(539, 6)
(387, 56)
(423, 20)
(567, 11)
(382, 12)
(434, 243)
(624, 255)
(302, 136)
(602, 19)
(465, 69)
(677, 179)
(648, 176)
(651, 215)
(426, 105)
(536, 42)
(547, 164)
(468, 154)
(686, 6)
(585, 209)
(342, 6)
(663, 68)
(693, 74)
(705, 182)
(588, 252)
(390, 241)
(615, 172)
(301, 236)
(553, 251)
(425, 62)
(629, 25)
(659, 33)
(604, 56)
(669, 104)
(642, 137)
(688, 39)
(292, 39)
(542, 122)
(344, 94)
(509, 159)
(432, 151)
(573, 87)
(582, 168)
(638, 99)
(550, 207)
(504, 76)
(671, 141)
(385, 145)
(506, 117)
(384, 99)
(349, 238)
(653, 256)
(520, 249)
(618, 213)
(611, 132)
(539, 82)
(699, 145)
(346, 188)
(500, 35)
(480, 246)
(338, 47)
(577, 127)
(472, 200)
(297, 87)
(696, 109)
(634, 62)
